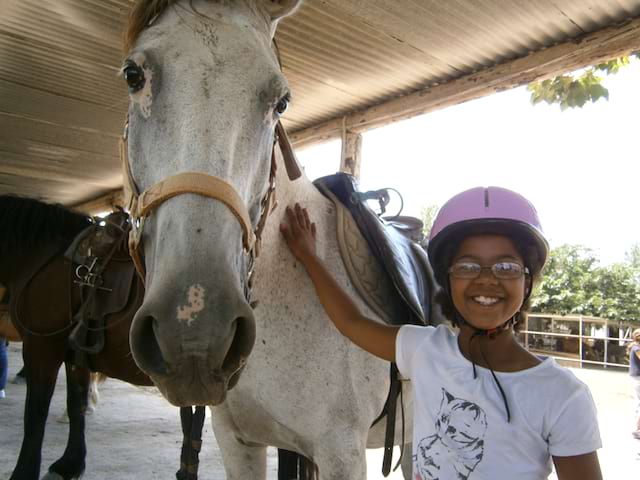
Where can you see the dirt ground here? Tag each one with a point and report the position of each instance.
(135, 433)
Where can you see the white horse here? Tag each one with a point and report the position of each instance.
(206, 93)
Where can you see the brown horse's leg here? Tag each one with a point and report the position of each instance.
(186, 418)
(292, 465)
(196, 442)
(287, 464)
(192, 422)
(42, 361)
(72, 463)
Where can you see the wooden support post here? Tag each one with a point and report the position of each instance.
(606, 343)
(351, 153)
(581, 336)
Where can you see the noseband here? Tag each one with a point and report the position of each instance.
(141, 205)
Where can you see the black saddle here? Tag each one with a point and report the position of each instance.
(395, 243)
(104, 273)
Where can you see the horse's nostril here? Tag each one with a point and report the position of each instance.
(241, 345)
(145, 347)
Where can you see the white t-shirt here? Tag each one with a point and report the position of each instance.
(460, 423)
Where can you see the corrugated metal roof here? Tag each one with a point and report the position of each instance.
(62, 106)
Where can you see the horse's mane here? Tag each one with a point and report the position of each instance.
(143, 12)
(26, 223)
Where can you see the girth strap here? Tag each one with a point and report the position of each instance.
(389, 410)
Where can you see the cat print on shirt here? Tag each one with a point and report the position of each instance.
(454, 451)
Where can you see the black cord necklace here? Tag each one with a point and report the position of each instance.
(490, 334)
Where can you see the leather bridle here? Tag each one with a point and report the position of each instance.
(142, 205)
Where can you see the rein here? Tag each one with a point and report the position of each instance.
(142, 205)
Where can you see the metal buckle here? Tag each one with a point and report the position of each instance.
(86, 277)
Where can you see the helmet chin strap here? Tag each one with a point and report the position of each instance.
(490, 333)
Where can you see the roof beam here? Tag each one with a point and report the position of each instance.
(580, 52)
(104, 203)
(589, 49)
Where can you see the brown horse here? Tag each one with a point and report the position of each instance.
(45, 296)
(10, 333)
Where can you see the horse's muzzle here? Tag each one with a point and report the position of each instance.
(192, 364)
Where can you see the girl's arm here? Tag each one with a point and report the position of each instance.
(579, 467)
(377, 339)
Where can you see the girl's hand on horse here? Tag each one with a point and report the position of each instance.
(299, 233)
(376, 338)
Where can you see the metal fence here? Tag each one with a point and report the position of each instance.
(577, 340)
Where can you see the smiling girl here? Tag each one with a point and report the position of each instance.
(484, 407)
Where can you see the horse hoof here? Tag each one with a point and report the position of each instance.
(52, 476)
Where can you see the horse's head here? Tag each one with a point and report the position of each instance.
(206, 93)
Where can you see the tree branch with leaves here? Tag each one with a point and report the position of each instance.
(573, 282)
(574, 90)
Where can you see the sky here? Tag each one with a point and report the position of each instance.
(579, 167)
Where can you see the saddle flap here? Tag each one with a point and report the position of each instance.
(105, 274)
(366, 273)
(400, 258)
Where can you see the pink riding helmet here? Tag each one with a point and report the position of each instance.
(487, 209)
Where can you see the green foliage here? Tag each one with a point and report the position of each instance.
(560, 290)
(613, 293)
(574, 283)
(428, 215)
(632, 256)
(575, 90)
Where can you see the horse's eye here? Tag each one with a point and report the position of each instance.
(134, 76)
(282, 105)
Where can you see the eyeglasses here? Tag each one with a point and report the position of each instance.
(500, 270)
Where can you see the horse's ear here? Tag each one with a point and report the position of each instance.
(278, 9)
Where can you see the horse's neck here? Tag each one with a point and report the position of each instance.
(22, 268)
(301, 191)
(10, 269)
(274, 256)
